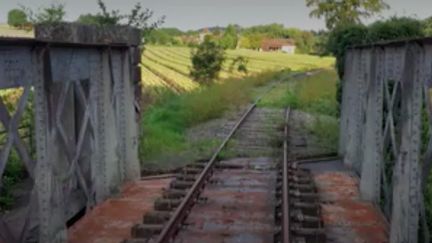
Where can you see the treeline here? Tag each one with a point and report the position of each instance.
(310, 42)
(234, 36)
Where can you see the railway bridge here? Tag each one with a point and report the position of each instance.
(80, 85)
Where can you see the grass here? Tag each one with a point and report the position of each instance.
(165, 122)
(326, 131)
(315, 94)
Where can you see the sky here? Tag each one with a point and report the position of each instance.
(195, 14)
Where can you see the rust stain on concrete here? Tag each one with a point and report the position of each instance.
(111, 221)
(346, 217)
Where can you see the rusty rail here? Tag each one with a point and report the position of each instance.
(285, 186)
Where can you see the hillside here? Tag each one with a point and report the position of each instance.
(168, 67)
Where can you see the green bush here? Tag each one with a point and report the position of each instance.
(395, 29)
(342, 38)
(207, 62)
(17, 18)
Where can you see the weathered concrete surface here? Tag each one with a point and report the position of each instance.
(346, 217)
(111, 221)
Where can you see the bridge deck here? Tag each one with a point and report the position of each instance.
(346, 217)
(111, 221)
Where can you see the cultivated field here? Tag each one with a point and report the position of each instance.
(168, 67)
(8, 31)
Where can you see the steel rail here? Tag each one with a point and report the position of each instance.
(285, 186)
(172, 226)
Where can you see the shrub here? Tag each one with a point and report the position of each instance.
(207, 62)
(239, 64)
(394, 29)
(342, 38)
(17, 18)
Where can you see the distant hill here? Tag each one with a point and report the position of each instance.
(9, 31)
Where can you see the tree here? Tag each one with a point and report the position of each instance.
(164, 36)
(207, 61)
(336, 12)
(229, 39)
(17, 18)
(138, 17)
(428, 26)
(252, 40)
(54, 13)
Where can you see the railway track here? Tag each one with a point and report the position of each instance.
(236, 200)
(298, 207)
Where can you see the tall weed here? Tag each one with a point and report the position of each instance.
(164, 123)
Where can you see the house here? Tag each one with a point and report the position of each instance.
(285, 45)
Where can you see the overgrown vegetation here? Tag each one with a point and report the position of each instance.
(138, 17)
(164, 123)
(314, 94)
(54, 13)
(345, 36)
